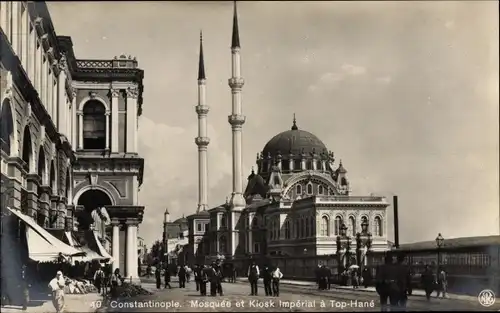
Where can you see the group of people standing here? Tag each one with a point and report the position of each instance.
(394, 283)
(203, 274)
(270, 276)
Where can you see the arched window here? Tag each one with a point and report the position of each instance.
(297, 165)
(364, 219)
(6, 126)
(222, 245)
(27, 149)
(378, 226)
(298, 189)
(319, 165)
(352, 226)
(287, 230)
(320, 189)
(309, 165)
(325, 227)
(309, 189)
(41, 165)
(94, 125)
(308, 229)
(223, 220)
(52, 178)
(338, 223)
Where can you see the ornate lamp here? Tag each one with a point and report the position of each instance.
(439, 241)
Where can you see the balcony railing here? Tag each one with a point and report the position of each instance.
(351, 198)
(94, 64)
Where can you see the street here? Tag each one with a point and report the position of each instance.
(293, 298)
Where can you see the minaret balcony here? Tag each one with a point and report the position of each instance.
(202, 141)
(236, 82)
(202, 109)
(236, 119)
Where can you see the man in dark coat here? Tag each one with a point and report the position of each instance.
(182, 277)
(318, 273)
(428, 281)
(267, 278)
(403, 281)
(158, 276)
(167, 277)
(197, 276)
(366, 277)
(382, 281)
(253, 278)
(219, 276)
(204, 275)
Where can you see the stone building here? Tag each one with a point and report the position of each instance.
(295, 203)
(69, 131)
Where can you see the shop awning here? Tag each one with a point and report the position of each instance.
(101, 249)
(42, 246)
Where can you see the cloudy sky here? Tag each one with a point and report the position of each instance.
(405, 93)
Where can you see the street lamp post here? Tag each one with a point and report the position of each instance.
(363, 239)
(440, 244)
(343, 242)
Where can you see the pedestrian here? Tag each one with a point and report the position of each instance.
(188, 273)
(318, 273)
(404, 282)
(203, 280)
(277, 276)
(253, 278)
(382, 282)
(99, 279)
(267, 278)
(233, 274)
(158, 277)
(116, 279)
(354, 278)
(167, 278)
(442, 283)
(182, 277)
(428, 281)
(366, 277)
(197, 276)
(57, 285)
(219, 276)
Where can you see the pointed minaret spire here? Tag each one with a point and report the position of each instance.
(201, 65)
(236, 34)
(294, 126)
(202, 140)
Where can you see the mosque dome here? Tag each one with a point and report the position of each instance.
(294, 141)
(181, 220)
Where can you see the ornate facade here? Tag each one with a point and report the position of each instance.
(69, 131)
(294, 204)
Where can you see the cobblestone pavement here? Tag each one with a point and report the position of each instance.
(292, 299)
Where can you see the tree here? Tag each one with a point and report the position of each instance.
(156, 252)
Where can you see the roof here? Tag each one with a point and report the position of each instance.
(294, 141)
(235, 42)
(454, 243)
(201, 64)
(256, 186)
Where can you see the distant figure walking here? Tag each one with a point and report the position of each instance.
(99, 279)
(203, 280)
(382, 281)
(158, 277)
(277, 276)
(115, 281)
(57, 285)
(253, 278)
(167, 278)
(182, 277)
(428, 282)
(267, 278)
(442, 283)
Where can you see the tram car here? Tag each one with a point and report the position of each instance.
(472, 264)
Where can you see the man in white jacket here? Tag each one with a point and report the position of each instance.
(277, 276)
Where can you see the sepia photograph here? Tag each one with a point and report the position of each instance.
(249, 156)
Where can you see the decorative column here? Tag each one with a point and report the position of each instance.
(73, 120)
(80, 130)
(53, 214)
(131, 251)
(32, 183)
(116, 245)
(44, 202)
(131, 119)
(63, 105)
(108, 115)
(115, 93)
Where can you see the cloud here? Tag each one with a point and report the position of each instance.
(353, 69)
(330, 79)
(384, 79)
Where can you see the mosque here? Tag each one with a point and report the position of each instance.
(297, 202)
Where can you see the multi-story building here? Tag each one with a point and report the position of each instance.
(69, 131)
(296, 203)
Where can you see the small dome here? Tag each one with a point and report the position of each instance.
(181, 220)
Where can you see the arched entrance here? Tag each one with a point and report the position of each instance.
(91, 200)
(6, 127)
(27, 149)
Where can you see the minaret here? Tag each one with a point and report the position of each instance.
(202, 140)
(236, 119)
